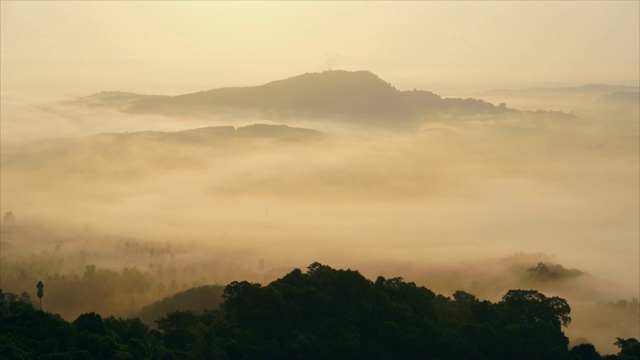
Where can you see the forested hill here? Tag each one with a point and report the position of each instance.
(322, 313)
(354, 95)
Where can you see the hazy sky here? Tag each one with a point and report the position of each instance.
(70, 48)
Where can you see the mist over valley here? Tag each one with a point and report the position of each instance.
(345, 180)
(461, 197)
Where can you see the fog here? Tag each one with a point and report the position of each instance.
(449, 205)
(452, 190)
(454, 193)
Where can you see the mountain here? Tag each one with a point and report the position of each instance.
(622, 97)
(215, 134)
(329, 92)
(114, 154)
(569, 99)
(197, 299)
(352, 95)
(119, 99)
(584, 90)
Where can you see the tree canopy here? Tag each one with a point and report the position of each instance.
(323, 313)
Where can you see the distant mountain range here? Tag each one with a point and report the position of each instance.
(229, 133)
(629, 97)
(351, 95)
(110, 154)
(591, 89)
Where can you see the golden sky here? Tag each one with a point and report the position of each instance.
(70, 48)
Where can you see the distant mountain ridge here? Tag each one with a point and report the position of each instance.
(630, 97)
(90, 154)
(589, 88)
(355, 95)
(336, 91)
(568, 98)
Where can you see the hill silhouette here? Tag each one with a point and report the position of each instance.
(197, 299)
(622, 97)
(354, 95)
(115, 150)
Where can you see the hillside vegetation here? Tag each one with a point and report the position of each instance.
(322, 313)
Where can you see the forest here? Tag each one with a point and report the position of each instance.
(116, 276)
(322, 313)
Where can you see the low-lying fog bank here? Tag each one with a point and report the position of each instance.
(151, 205)
(119, 275)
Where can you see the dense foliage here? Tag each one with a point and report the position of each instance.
(322, 313)
(196, 299)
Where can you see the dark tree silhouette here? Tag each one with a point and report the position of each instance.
(40, 287)
(530, 306)
(9, 218)
(629, 348)
(322, 313)
(585, 352)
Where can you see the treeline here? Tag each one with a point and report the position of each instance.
(117, 275)
(322, 313)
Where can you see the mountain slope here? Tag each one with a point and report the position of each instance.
(114, 154)
(349, 93)
(197, 299)
(354, 95)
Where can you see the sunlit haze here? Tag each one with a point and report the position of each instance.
(455, 144)
(172, 47)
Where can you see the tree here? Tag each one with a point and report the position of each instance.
(530, 306)
(40, 287)
(90, 322)
(585, 352)
(24, 297)
(9, 218)
(629, 348)
(530, 325)
(542, 272)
